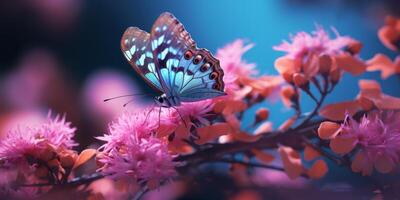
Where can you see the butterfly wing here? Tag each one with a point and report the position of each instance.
(135, 45)
(186, 72)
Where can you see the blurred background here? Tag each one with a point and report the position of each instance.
(64, 55)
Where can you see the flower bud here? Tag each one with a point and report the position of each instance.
(325, 64)
(289, 95)
(67, 160)
(288, 77)
(354, 47)
(301, 81)
(262, 114)
(334, 76)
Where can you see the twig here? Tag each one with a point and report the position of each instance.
(140, 193)
(250, 164)
(76, 181)
(324, 93)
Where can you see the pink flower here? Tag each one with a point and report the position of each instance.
(234, 67)
(378, 137)
(133, 152)
(25, 151)
(318, 42)
(198, 112)
(36, 141)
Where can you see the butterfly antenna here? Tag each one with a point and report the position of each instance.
(122, 96)
(130, 101)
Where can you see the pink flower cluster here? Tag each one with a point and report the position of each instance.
(378, 137)
(133, 152)
(35, 141)
(26, 153)
(318, 42)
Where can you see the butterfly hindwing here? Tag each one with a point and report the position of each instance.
(187, 72)
(135, 45)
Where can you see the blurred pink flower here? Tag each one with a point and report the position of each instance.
(266, 177)
(23, 147)
(378, 136)
(318, 43)
(28, 86)
(133, 153)
(107, 84)
(36, 141)
(230, 57)
(9, 121)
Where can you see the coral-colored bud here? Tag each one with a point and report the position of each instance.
(262, 114)
(300, 81)
(354, 47)
(288, 77)
(67, 160)
(325, 64)
(289, 95)
(335, 75)
(41, 171)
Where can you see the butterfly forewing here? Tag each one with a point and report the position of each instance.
(135, 45)
(187, 72)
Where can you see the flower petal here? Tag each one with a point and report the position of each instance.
(287, 124)
(245, 137)
(212, 132)
(387, 35)
(337, 111)
(318, 169)
(291, 162)
(263, 156)
(263, 128)
(350, 64)
(343, 145)
(361, 164)
(328, 130)
(383, 164)
(382, 63)
(310, 153)
(84, 156)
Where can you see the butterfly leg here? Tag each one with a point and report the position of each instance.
(159, 117)
(148, 113)
(183, 120)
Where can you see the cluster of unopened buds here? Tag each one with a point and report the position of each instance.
(147, 148)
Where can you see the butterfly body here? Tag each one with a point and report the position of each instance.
(168, 60)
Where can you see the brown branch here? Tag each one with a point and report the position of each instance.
(85, 179)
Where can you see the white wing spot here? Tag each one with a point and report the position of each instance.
(163, 54)
(160, 40)
(154, 45)
(141, 59)
(152, 67)
(128, 55)
(164, 28)
(149, 54)
(133, 49)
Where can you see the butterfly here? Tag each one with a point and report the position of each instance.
(169, 61)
